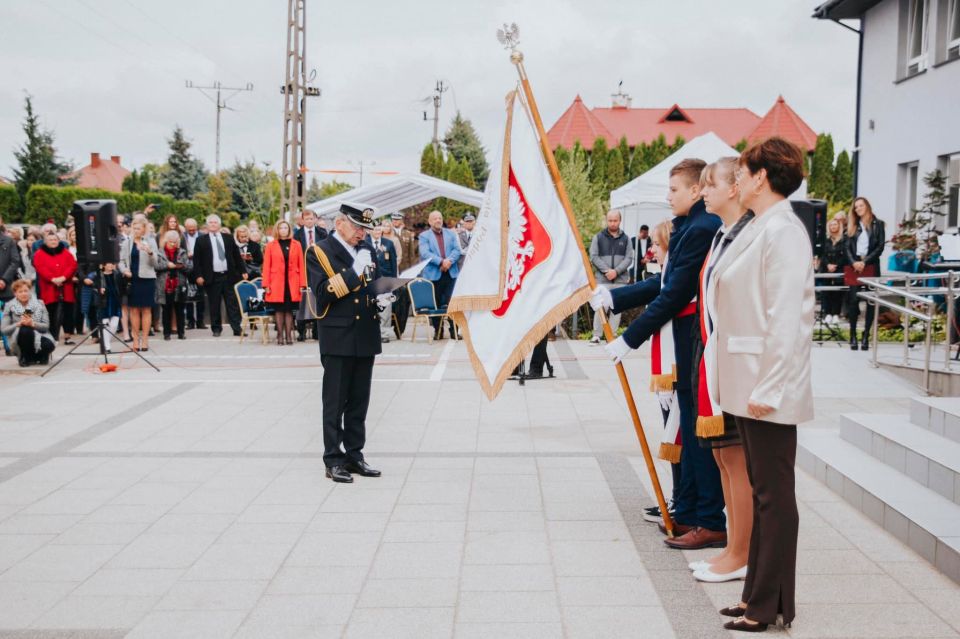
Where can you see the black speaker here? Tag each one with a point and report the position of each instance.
(813, 214)
(98, 241)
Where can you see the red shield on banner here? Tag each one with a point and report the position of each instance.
(529, 243)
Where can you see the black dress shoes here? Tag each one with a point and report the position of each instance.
(361, 468)
(339, 474)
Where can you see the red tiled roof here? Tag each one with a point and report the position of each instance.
(101, 174)
(646, 125)
(783, 121)
(578, 123)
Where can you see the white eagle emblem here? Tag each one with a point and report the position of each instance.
(518, 251)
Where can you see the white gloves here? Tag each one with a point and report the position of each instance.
(617, 350)
(666, 399)
(601, 297)
(362, 261)
(385, 299)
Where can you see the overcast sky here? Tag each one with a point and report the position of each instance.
(108, 75)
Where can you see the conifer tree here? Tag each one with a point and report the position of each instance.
(598, 163)
(462, 143)
(615, 171)
(843, 179)
(37, 160)
(820, 184)
(186, 176)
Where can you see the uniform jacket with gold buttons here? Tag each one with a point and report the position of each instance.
(349, 325)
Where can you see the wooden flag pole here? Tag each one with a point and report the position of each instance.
(517, 58)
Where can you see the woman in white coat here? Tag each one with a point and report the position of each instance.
(763, 310)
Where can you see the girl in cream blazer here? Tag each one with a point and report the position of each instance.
(763, 303)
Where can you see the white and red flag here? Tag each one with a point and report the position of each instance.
(524, 270)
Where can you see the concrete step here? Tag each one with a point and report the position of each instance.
(940, 415)
(929, 459)
(919, 517)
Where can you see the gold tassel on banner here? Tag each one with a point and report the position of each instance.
(710, 426)
(669, 452)
(662, 383)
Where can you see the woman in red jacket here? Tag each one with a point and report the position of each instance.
(283, 277)
(55, 268)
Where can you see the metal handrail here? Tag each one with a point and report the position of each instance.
(880, 288)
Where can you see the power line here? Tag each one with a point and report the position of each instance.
(173, 34)
(221, 104)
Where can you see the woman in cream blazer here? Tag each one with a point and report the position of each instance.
(762, 305)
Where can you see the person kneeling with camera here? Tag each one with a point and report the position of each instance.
(26, 325)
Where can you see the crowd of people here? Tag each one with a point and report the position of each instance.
(176, 277)
(730, 319)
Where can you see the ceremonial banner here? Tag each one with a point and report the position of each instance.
(524, 270)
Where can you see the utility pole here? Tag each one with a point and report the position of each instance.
(438, 92)
(221, 104)
(295, 92)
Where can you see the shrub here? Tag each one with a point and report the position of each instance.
(45, 202)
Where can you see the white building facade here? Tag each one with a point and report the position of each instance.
(908, 119)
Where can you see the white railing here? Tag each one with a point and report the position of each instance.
(909, 295)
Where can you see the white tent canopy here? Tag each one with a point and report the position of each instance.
(643, 200)
(403, 191)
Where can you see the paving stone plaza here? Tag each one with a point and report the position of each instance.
(192, 503)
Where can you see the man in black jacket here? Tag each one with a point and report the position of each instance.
(308, 234)
(9, 263)
(218, 265)
(339, 275)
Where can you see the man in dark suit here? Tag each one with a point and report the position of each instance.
(698, 499)
(339, 275)
(218, 266)
(641, 244)
(386, 256)
(308, 234)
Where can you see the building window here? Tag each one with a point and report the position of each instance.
(907, 189)
(953, 29)
(953, 190)
(916, 35)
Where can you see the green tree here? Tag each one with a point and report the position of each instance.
(138, 181)
(678, 143)
(598, 163)
(820, 184)
(656, 152)
(741, 146)
(586, 200)
(218, 198)
(186, 176)
(462, 143)
(616, 175)
(333, 187)
(430, 164)
(625, 154)
(251, 189)
(561, 155)
(459, 173)
(638, 161)
(313, 190)
(37, 160)
(843, 179)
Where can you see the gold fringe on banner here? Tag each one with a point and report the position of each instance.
(553, 317)
(669, 452)
(659, 383)
(710, 426)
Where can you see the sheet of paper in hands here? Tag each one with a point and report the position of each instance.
(414, 271)
(387, 284)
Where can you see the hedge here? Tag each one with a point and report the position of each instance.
(9, 202)
(45, 202)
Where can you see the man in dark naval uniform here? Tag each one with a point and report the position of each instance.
(339, 271)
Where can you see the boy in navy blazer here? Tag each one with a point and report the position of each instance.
(698, 497)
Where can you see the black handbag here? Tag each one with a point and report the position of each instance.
(256, 305)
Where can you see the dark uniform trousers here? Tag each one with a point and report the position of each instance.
(221, 289)
(349, 340)
(346, 396)
(771, 451)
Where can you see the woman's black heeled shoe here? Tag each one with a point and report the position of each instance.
(733, 611)
(743, 625)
